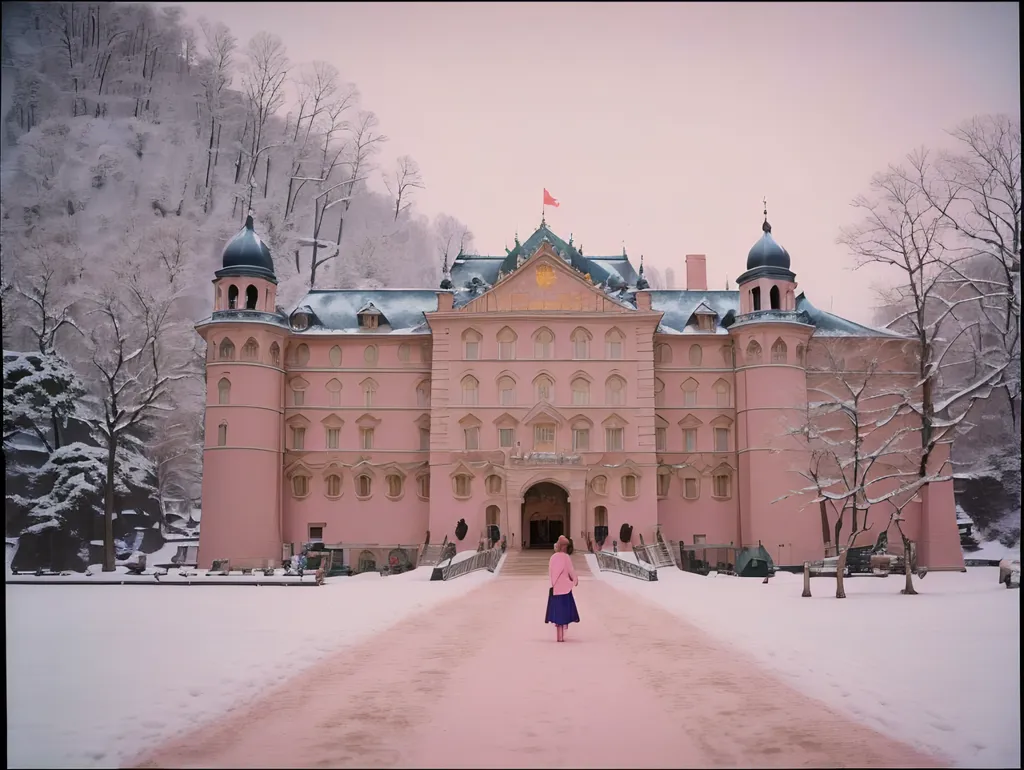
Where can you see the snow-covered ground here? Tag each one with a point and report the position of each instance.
(96, 673)
(940, 670)
(993, 549)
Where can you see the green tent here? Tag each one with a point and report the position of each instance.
(754, 562)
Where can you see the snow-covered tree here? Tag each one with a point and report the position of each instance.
(41, 391)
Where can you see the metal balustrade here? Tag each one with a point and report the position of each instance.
(606, 562)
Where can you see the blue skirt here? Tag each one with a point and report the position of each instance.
(561, 610)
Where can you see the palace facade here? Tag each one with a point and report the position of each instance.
(533, 394)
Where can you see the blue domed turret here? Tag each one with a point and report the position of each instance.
(767, 252)
(247, 254)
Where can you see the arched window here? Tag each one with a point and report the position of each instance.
(773, 298)
(507, 344)
(335, 356)
(367, 562)
(755, 297)
(599, 485)
(370, 355)
(545, 388)
(222, 434)
(252, 296)
(275, 354)
(251, 350)
(629, 485)
(470, 390)
(423, 394)
(800, 354)
(780, 353)
(722, 394)
(543, 344)
(506, 391)
(232, 297)
(403, 352)
(580, 392)
(696, 355)
(600, 516)
(394, 483)
(753, 352)
(494, 484)
(613, 344)
(333, 485)
(689, 388)
(334, 392)
(364, 486)
(462, 485)
(227, 350)
(662, 354)
(471, 344)
(615, 391)
(369, 391)
(300, 486)
(493, 514)
(302, 355)
(581, 344)
(659, 392)
(224, 391)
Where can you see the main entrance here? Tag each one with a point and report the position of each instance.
(545, 515)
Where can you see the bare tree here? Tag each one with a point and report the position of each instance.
(451, 238)
(402, 181)
(263, 81)
(364, 143)
(907, 233)
(214, 77)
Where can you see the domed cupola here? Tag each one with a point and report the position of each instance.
(247, 255)
(767, 252)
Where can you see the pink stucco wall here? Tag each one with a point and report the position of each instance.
(670, 383)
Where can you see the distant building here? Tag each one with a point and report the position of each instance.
(537, 393)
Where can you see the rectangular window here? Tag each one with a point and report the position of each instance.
(424, 439)
(613, 439)
(300, 486)
(722, 397)
(298, 397)
(364, 486)
(690, 489)
(581, 439)
(298, 438)
(506, 437)
(661, 439)
(721, 439)
(689, 398)
(472, 350)
(544, 437)
(394, 486)
(472, 437)
(506, 351)
(689, 439)
(664, 482)
(614, 349)
(335, 397)
(462, 485)
(579, 349)
(508, 397)
(424, 484)
(722, 485)
(316, 534)
(333, 438)
(580, 396)
(366, 438)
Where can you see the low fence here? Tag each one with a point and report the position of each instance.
(608, 563)
(487, 560)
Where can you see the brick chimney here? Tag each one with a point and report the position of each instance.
(445, 301)
(696, 272)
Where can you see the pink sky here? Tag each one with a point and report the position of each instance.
(661, 125)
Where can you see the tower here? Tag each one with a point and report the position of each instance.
(770, 340)
(242, 457)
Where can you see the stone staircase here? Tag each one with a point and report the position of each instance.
(533, 563)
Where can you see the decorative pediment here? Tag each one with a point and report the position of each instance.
(392, 469)
(423, 421)
(722, 468)
(660, 422)
(543, 413)
(581, 421)
(332, 469)
(462, 469)
(368, 421)
(628, 466)
(690, 422)
(363, 468)
(614, 421)
(297, 468)
(297, 383)
(297, 421)
(579, 374)
(470, 421)
(722, 421)
(333, 421)
(492, 470)
(544, 373)
(505, 420)
(544, 282)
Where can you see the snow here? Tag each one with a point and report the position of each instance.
(940, 670)
(162, 660)
(993, 549)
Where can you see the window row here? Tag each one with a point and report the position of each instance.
(545, 437)
(779, 353)
(543, 344)
(544, 390)
(690, 487)
(719, 435)
(252, 298)
(298, 388)
(299, 355)
(363, 483)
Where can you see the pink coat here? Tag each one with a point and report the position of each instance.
(563, 576)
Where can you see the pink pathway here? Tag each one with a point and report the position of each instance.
(480, 682)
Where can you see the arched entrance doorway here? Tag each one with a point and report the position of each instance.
(545, 515)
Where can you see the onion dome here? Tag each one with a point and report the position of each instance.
(247, 254)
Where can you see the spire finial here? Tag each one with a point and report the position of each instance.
(767, 228)
(249, 224)
(641, 282)
(517, 236)
(543, 222)
(446, 275)
(623, 248)
(641, 264)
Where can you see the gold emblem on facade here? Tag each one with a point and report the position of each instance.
(545, 276)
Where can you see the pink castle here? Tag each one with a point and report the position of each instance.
(537, 393)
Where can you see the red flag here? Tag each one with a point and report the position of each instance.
(549, 199)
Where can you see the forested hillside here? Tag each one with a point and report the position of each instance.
(135, 142)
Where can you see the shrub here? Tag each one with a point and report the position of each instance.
(625, 533)
(461, 529)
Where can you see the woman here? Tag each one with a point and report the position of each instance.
(561, 606)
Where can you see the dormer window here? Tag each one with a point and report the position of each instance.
(369, 316)
(705, 322)
(300, 321)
